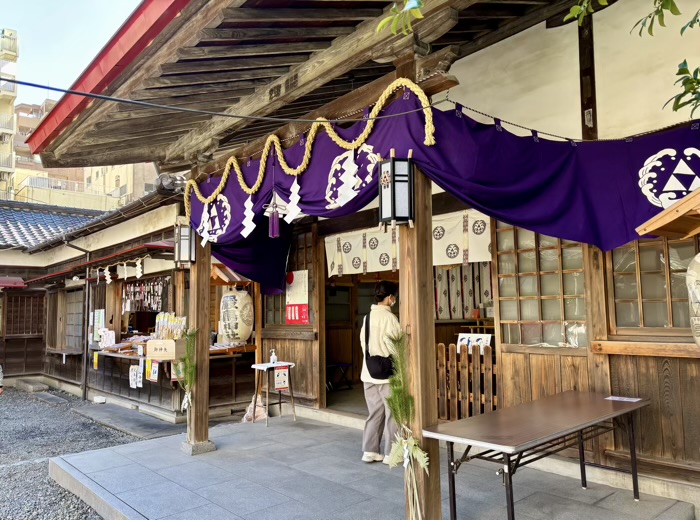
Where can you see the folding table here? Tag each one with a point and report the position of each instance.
(517, 436)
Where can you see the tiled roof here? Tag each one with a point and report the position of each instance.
(24, 224)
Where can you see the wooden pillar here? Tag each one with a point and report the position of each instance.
(417, 316)
(318, 289)
(586, 58)
(200, 275)
(180, 292)
(258, 298)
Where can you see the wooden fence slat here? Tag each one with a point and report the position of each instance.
(464, 382)
(453, 382)
(488, 379)
(476, 380)
(442, 382)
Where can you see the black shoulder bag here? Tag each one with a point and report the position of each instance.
(379, 367)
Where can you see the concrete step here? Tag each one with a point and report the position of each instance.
(30, 385)
(49, 398)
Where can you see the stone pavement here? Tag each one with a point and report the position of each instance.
(312, 471)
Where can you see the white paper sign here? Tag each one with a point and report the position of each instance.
(468, 340)
(98, 324)
(624, 399)
(133, 375)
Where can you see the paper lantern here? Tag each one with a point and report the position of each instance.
(236, 312)
(396, 191)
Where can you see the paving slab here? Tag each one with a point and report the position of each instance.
(261, 473)
(30, 385)
(130, 421)
(48, 398)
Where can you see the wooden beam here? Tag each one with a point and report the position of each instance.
(187, 80)
(487, 14)
(586, 58)
(344, 54)
(638, 348)
(516, 26)
(199, 319)
(269, 15)
(214, 97)
(197, 15)
(145, 153)
(230, 88)
(158, 122)
(282, 33)
(190, 67)
(216, 105)
(240, 51)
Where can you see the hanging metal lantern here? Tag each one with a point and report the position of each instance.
(184, 243)
(396, 191)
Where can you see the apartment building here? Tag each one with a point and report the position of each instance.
(9, 52)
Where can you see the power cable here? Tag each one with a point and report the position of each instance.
(198, 111)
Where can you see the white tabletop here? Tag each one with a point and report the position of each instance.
(268, 366)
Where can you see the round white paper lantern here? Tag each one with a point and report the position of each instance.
(692, 280)
(236, 315)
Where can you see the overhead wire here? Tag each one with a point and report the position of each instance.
(173, 108)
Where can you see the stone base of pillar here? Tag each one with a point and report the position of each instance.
(198, 447)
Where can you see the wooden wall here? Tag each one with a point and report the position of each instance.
(668, 430)
(529, 375)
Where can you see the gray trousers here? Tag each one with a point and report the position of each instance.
(379, 424)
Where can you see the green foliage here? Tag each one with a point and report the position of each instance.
(690, 96)
(691, 89)
(188, 362)
(400, 401)
(401, 19)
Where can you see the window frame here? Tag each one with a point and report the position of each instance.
(616, 332)
(560, 247)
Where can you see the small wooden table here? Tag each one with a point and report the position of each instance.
(517, 436)
(266, 368)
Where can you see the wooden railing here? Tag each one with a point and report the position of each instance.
(466, 382)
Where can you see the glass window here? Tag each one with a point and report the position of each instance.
(541, 289)
(646, 280)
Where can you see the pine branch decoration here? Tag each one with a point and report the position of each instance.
(405, 450)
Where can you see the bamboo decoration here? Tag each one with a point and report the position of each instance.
(405, 449)
(274, 141)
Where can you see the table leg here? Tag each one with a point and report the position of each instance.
(508, 477)
(633, 454)
(255, 397)
(279, 393)
(291, 393)
(582, 460)
(451, 479)
(267, 398)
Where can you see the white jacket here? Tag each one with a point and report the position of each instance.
(383, 324)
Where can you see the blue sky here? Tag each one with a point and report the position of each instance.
(59, 38)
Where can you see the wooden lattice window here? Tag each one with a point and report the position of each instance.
(540, 289)
(74, 319)
(24, 315)
(300, 258)
(646, 287)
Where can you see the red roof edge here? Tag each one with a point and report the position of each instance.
(137, 33)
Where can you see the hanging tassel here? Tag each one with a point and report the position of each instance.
(274, 221)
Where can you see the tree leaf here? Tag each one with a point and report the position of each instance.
(603, 2)
(384, 23)
(417, 13)
(662, 23)
(650, 30)
(673, 8)
(395, 24)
